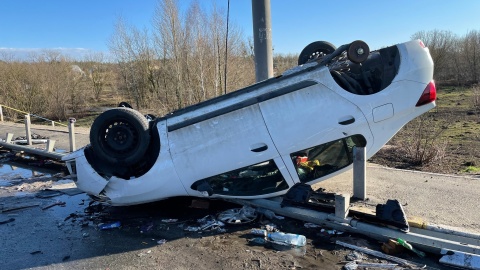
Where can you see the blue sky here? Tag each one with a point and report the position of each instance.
(87, 25)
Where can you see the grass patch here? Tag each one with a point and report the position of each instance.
(453, 127)
(471, 169)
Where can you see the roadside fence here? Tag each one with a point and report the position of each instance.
(27, 121)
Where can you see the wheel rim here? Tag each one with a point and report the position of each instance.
(119, 137)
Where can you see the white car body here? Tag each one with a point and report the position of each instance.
(222, 145)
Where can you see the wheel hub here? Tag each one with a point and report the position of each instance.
(120, 137)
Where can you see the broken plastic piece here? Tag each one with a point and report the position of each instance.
(460, 259)
(170, 220)
(107, 226)
(311, 225)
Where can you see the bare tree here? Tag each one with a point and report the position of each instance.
(471, 53)
(440, 43)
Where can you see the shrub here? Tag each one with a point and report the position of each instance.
(422, 143)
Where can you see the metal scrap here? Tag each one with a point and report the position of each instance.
(382, 255)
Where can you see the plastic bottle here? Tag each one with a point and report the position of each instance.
(288, 238)
(408, 246)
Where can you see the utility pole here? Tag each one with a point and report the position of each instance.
(262, 39)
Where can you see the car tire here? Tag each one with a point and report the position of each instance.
(358, 51)
(314, 49)
(120, 136)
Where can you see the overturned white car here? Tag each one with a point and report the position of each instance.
(259, 141)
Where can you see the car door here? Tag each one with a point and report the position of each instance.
(313, 118)
(227, 152)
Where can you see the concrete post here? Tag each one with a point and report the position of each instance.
(262, 39)
(359, 173)
(53, 123)
(71, 134)
(50, 145)
(28, 129)
(9, 138)
(342, 205)
(1, 114)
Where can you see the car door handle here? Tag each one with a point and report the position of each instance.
(347, 120)
(258, 147)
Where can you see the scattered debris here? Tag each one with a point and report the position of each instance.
(169, 220)
(271, 228)
(392, 247)
(161, 241)
(54, 204)
(331, 232)
(146, 227)
(460, 259)
(207, 223)
(311, 225)
(18, 206)
(381, 255)
(144, 253)
(242, 215)
(282, 238)
(354, 256)
(107, 226)
(47, 193)
(36, 252)
(354, 265)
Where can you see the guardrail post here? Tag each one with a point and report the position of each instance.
(9, 138)
(342, 205)
(27, 129)
(1, 114)
(359, 173)
(50, 145)
(71, 133)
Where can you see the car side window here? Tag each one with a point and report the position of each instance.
(258, 179)
(318, 161)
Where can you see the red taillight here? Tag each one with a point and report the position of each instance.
(421, 44)
(429, 94)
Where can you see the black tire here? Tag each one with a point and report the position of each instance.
(358, 51)
(120, 136)
(314, 50)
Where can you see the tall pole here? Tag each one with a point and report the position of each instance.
(262, 39)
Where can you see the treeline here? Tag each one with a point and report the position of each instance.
(49, 84)
(186, 58)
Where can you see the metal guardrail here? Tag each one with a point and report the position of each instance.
(27, 113)
(48, 152)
